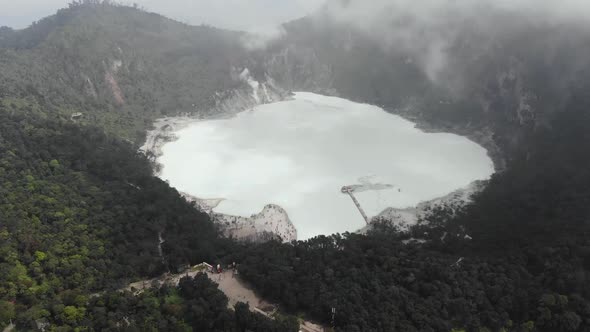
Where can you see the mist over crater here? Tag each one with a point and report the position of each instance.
(298, 154)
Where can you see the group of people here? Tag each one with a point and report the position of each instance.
(219, 269)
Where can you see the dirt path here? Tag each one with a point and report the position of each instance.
(227, 282)
(231, 285)
(236, 291)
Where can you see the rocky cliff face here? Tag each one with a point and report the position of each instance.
(248, 94)
(298, 67)
(272, 223)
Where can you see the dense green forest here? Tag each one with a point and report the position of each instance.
(525, 265)
(81, 212)
(519, 85)
(377, 283)
(195, 305)
(544, 195)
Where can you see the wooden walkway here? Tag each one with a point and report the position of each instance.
(348, 191)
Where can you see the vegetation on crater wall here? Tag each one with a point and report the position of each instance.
(80, 211)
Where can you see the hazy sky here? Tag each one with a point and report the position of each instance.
(249, 15)
(256, 15)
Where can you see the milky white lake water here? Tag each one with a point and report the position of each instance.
(300, 153)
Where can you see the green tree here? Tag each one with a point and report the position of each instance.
(72, 315)
(7, 312)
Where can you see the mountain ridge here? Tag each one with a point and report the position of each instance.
(127, 66)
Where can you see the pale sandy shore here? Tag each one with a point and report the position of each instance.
(404, 218)
(271, 223)
(164, 131)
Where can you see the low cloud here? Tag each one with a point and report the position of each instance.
(426, 29)
(259, 38)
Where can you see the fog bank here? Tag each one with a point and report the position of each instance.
(427, 30)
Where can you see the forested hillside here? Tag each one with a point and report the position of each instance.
(80, 213)
(544, 194)
(195, 305)
(377, 283)
(120, 67)
(493, 77)
(80, 210)
(516, 85)
(515, 259)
